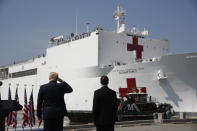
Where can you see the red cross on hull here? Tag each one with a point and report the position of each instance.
(131, 88)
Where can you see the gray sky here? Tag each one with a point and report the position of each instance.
(27, 25)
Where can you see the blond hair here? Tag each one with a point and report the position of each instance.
(53, 76)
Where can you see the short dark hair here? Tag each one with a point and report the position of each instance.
(1, 83)
(104, 80)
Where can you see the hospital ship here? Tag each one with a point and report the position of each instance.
(124, 54)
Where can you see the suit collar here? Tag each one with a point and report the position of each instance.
(104, 87)
(52, 81)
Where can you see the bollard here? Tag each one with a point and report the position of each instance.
(160, 117)
(182, 115)
(155, 116)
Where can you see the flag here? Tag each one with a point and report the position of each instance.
(14, 113)
(9, 118)
(122, 22)
(116, 17)
(39, 123)
(25, 111)
(32, 120)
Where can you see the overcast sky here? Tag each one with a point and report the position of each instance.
(27, 25)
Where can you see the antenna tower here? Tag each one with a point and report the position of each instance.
(119, 16)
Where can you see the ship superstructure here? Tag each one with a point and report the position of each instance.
(82, 59)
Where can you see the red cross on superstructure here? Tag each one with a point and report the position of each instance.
(136, 47)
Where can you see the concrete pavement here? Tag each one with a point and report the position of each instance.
(146, 125)
(159, 127)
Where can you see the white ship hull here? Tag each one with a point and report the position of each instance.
(178, 87)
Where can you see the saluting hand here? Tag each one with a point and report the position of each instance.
(60, 80)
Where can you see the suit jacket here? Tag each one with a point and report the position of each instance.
(50, 102)
(104, 106)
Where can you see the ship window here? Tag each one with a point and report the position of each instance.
(24, 73)
(3, 73)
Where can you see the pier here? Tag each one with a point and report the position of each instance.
(138, 125)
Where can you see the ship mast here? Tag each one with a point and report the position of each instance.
(119, 16)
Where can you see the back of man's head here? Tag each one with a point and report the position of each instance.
(104, 80)
(1, 83)
(53, 76)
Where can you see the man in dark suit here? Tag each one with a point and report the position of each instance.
(104, 107)
(51, 106)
